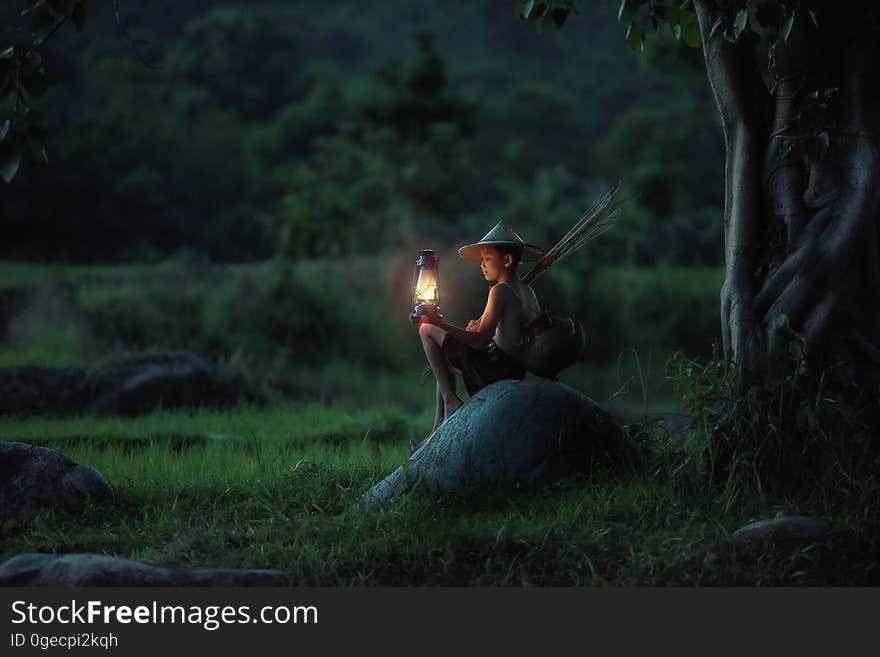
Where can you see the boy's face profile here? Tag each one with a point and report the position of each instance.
(493, 263)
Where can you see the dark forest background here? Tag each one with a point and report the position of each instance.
(331, 128)
(282, 163)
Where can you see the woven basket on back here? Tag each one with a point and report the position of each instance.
(555, 343)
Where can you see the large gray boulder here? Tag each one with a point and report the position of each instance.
(35, 478)
(102, 570)
(529, 432)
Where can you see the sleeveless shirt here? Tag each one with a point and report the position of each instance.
(511, 339)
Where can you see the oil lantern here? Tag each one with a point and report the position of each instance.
(426, 279)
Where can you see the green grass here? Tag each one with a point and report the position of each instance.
(252, 487)
(273, 493)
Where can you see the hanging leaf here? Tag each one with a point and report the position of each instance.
(734, 32)
(540, 14)
(715, 26)
(4, 129)
(627, 11)
(635, 37)
(787, 25)
(690, 29)
(755, 24)
(10, 159)
(527, 7)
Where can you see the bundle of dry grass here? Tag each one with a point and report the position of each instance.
(596, 220)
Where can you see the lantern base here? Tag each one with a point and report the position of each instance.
(420, 311)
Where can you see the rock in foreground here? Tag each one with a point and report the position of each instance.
(36, 478)
(789, 529)
(529, 432)
(101, 570)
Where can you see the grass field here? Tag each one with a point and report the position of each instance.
(270, 489)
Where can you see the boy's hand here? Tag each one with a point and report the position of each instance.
(429, 315)
(473, 326)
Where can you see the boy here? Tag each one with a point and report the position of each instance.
(491, 347)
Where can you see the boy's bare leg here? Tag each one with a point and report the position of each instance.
(438, 414)
(432, 337)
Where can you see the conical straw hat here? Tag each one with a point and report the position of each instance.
(501, 235)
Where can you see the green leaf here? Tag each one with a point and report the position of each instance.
(635, 37)
(627, 11)
(717, 24)
(4, 129)
(690, 29)
(736, 29)
(754, 24)
(540, 15)
(10, 159)
(813, 16)
(8, 53)
(527, 7)
(787, 25)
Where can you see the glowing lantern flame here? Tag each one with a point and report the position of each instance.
(426, 287)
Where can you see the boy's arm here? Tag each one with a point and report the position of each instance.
(488, 321)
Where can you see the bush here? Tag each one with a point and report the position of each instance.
(789, 434)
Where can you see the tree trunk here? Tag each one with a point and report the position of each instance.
(802, 250)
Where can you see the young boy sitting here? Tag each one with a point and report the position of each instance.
(490, 348)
